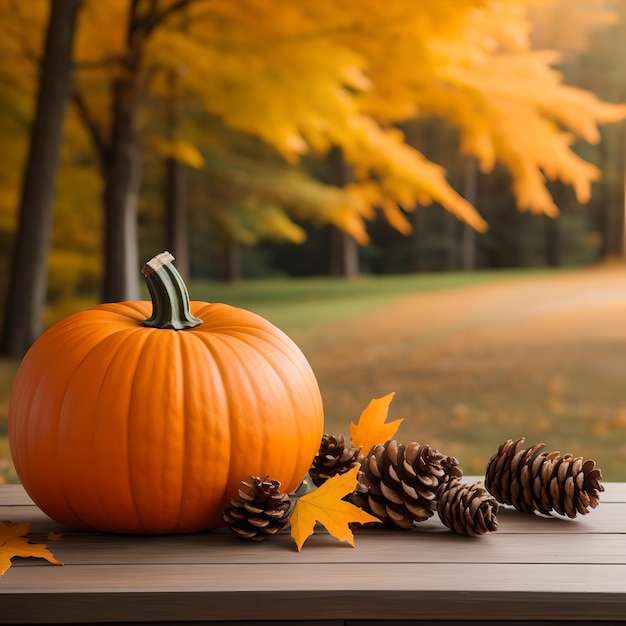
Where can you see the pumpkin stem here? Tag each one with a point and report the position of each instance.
(170, 299)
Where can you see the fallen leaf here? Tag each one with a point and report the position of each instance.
(371, 428)
(52, 536)
(325, 505)
(13, 542)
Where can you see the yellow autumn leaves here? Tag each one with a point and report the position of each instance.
(371, 427)
(305, 76)
(14, 542)
(326, 504)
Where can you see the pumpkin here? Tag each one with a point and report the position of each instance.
(125, 423)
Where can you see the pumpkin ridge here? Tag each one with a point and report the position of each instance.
(155, 342)
(216, 457)
(55, 345)
(281, 351)
(207, 341)
(139, 331)
(105, 344)
(132, 311)
(182, 358)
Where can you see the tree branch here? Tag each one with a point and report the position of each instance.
(155, 18)
(95, 131)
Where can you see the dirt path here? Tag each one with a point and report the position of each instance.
(541, 357)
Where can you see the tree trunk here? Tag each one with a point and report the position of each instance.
(28, 281)
(122, 181)
(553, 242)
(450, 232)
(229, 263)
(176, 218)
(416, 262)
(175, 192)
(122, 176)
(343, 248)
(613, 219)
(470, 186)
(344, 254)
(118, 149)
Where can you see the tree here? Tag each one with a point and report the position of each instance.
(598, 66)
(343, 248)
(118, 145)
(27, 286)
(469, 63)
(175, 189)
(319, 74)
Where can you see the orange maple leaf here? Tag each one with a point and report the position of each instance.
(13, 542)
(371, 428)
(325, 505)
(54, 536)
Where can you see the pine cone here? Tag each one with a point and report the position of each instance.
(332, 458)
(402, 482)
(467, 509)
(260, 510)
(531, 480)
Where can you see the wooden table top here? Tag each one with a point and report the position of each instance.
(531, 569)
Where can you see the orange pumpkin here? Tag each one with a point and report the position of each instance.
(125, 424)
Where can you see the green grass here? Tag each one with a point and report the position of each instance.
(300, 304)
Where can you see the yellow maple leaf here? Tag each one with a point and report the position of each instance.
(371, 428)
(13, 542)
(325, 505)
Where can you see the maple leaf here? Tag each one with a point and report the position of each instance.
(371, 428)
(13, 542)
(53, 536)
(325, 505)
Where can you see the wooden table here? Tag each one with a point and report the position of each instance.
(531, 569)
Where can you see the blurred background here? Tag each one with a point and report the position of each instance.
(427, 196)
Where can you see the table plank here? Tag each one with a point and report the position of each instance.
(270, 591)
(14, 495)
(401, 547)
(532, 568)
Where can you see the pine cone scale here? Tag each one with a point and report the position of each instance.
(532, 480)
(333, 457)
(260, 510)
(468, 509)
(402, 482)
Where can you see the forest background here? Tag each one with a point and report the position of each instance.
(266, 139)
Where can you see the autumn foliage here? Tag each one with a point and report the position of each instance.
(254, 93)
(14, 542)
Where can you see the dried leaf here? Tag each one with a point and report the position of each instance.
(325, 505)
(52, 536)
(13, 542)
(371, 428)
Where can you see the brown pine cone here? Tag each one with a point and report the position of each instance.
(467, 509)
(531, 480)
(332, 458)
(260, 510)
(401, 482)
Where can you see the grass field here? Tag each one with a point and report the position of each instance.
(473, 359)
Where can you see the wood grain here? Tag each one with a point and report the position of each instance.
(532, 568)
